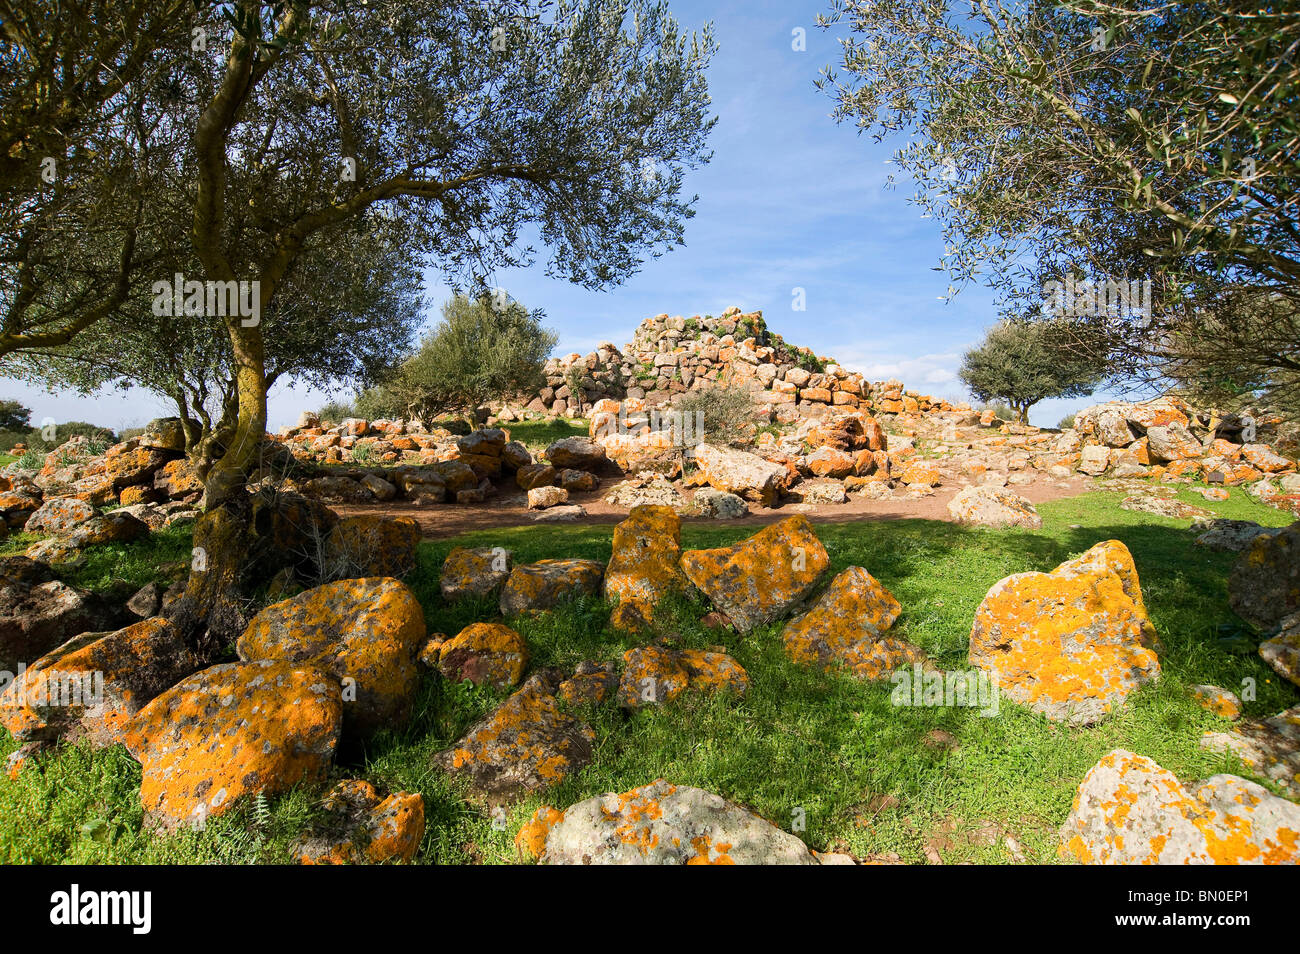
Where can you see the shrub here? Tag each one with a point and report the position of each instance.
(1066, 422)
(726, 410)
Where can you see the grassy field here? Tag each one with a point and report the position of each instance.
(868, 777)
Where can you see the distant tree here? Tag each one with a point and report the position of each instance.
(14, 416)
(1023, 362)
(485, 348)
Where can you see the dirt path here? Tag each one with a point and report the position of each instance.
(510, 509)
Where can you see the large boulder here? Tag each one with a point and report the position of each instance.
(92, 685)
(1071, 644)
(365, 633)
(474, 572)
(741, 473)
(59, 515)
(847, 627)
(1282, 652)
(763, 577)
(655, 675)
(579, 453)
(485, 654)
(1173, 442)
(233, 730)
(1264, 586)
(1130, 811)
(38, 613)
(664, 824)
(539, 586)
(361, 828)
(524, 745)
(371, 545)
(1268, 747)
(993, 507)
(645, 565)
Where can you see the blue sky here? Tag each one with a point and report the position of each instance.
(791, 200)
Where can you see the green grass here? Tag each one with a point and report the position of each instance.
(536, 435)
(858, 767)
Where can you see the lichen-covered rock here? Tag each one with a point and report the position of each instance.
(524, 745)
(1217, 700)
(485, 654)
(371, 545)
(91, 686)
(654, 675)
(539, 586)
(531, 476)
(591, 681)
(530, 840)
(741, 473)
(233, 730)
(1162, 506)
(361, 828)
(1229, 536)
(178, 478)
(578, 453)
(1265, 583)
(763, 577)
(645, 490)
(663, 824)
(365, 633)
(645, 565)
(479, 571)
(1071, 644)
(1269, 747)
(847, 627)
(59, 515)
(38, 614)
(1172, 442)
(1129, 810)
(542, 498)
(1282, 652)
(993, 507)
(718, 505)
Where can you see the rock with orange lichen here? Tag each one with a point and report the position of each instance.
(530, 840)
(1264, 586)
(91, 686)
(539, 586)
(233, 730)
(847, 627)
(371, 545)
(645, 565)
(485, 654)
(762, 578)
(993, 507)
(365, 633)
(474, 572)
(1071, 644)
(1268, 747)
(591, 681)
(739, 472)
(524, 745)
(655, 675)
(1282, 652)
(1129, 810)
(361, 828)
(664, 824)
(1217, 700)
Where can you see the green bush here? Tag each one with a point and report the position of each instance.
(1066, 422)
(727, 411)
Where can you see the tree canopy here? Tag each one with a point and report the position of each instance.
(1023, 362)
(1090, 139)
(484, 348)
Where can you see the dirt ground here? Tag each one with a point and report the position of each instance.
(509, 508)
